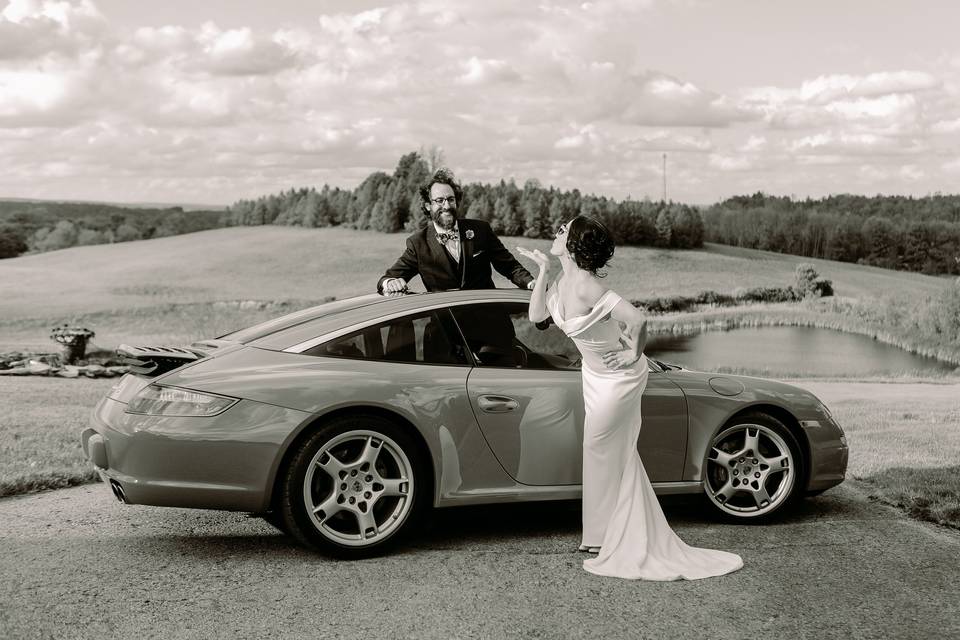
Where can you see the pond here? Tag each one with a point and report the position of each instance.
(790, 351)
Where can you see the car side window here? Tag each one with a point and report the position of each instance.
(422, 338)
(500, 334)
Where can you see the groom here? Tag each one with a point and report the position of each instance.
(451, 253)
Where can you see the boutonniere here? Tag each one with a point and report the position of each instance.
(469, 234)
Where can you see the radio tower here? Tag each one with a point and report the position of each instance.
(664, 177)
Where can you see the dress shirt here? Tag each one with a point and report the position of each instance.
(452, 246)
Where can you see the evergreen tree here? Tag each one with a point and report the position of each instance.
(664, 228)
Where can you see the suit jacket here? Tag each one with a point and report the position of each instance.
(425, 256)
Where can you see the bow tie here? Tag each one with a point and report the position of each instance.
(445, 236)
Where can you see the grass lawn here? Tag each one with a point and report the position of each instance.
(40, 423)
(904, 442)
(165, 288)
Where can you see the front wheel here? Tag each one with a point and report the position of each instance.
(753, 468)
(353, 487)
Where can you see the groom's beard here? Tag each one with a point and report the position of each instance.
(445, 219)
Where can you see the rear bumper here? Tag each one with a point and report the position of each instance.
(226, 462)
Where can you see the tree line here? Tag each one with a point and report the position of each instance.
(897, 232)
(905, 233)
(390, 203)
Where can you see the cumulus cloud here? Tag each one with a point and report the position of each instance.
(885, 98)
(731, 163)
(32, 29)
(828, 88)
(853, 143)
(240, 52)
(562, 91)
(479, 72)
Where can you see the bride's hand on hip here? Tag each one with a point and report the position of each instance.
(542, 260)
(622, 359)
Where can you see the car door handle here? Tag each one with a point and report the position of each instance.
(497, 404)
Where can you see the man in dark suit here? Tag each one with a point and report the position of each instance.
(451, 253)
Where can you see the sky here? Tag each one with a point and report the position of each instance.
(212, 101)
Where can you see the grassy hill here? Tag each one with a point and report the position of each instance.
(165, 288)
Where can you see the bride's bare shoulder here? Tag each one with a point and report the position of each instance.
(592, 292)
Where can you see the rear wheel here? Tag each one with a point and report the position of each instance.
(354, 487)
(753, 468)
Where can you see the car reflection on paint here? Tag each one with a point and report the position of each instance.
(343, 423)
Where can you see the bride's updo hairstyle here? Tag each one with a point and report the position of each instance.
(590, 244)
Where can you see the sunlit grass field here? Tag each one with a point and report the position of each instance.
(40, 426)
(165, 289)
(904, 442)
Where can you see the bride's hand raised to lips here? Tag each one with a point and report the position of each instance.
(542, 259)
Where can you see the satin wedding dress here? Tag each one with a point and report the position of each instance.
(621, 513)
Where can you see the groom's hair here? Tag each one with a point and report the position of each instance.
(590, 244)
(442, 176)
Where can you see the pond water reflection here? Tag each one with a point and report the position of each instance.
(789, 350)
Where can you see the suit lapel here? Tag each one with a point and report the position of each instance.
(466, 250)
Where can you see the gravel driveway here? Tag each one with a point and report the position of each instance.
(77, 564)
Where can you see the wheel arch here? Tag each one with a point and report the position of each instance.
(314, 423)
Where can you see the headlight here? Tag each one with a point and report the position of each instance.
(155, 400)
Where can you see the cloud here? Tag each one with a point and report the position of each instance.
(830, 142)
(754, 143)
(731, 163)
(32, 29)
(488, 71)
(240, 52)
(946, 126)
(563, 91)
(829, 88)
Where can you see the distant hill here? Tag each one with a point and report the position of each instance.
(48, 225)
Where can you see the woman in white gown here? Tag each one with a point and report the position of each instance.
(622, 518)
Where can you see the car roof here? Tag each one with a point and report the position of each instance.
(350, 313)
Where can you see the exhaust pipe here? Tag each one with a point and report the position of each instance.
(118, 491)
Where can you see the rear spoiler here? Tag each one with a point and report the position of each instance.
(154, 361)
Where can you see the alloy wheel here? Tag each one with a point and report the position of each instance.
(751, 470)
(358, 488)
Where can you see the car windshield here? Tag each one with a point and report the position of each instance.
(299, 317)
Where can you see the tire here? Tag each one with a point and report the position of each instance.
(753, 469)
(354, 487)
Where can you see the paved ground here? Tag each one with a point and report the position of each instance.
(77, 564)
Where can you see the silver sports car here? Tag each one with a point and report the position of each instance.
(342, 423)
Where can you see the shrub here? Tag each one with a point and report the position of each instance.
(809, 284)
(823, 287)
(12, 243)
(768, 294)
(713, 297)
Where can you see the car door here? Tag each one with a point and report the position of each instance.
(526, 393)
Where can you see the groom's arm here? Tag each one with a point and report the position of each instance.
(504, 262)
(407, 266)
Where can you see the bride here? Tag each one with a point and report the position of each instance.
(622, 519)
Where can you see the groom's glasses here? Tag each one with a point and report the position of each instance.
(449, 200)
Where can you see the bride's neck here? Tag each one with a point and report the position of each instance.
(571, 271)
